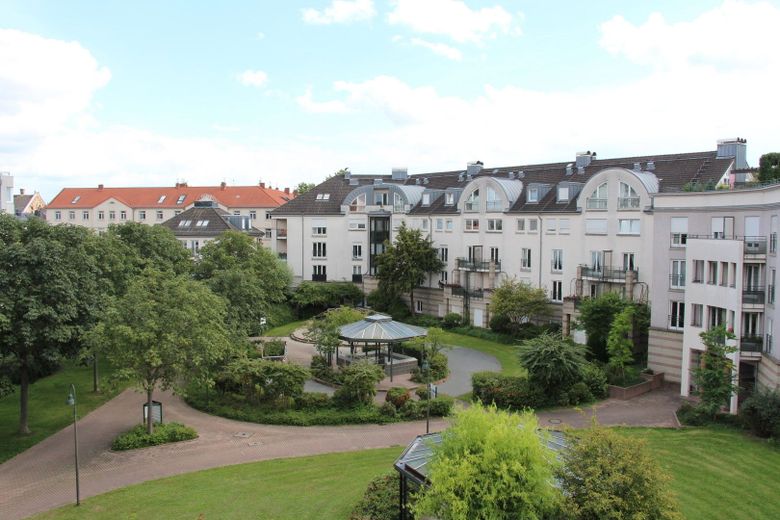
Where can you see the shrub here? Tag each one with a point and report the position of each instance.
(439, 369)
(163, 434)
(359, 381)
(554, 363)
(440, 406)
(274, 347)
(380, 501)
(422, 392)
(313, 297)
(412, 410)
(504, 391)
(423, 320)
(388, 409)
(380, 301)
(279, 314)
(761, 413)
(579, 393)
(451, 320)
(259, 379)
(397, 396)
(324, 371)
(691, 415)
(312, 400)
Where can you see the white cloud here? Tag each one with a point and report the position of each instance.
(340, 11)
(307, 103)
(260, 35)
(441, 49)
(452, 18)
(253, 78)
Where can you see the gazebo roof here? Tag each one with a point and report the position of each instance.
(379, 328)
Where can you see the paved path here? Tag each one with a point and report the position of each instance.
(462, 363)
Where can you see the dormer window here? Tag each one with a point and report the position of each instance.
(533, 194)
(628, 198)
(493, 203)
(426, 199)
(598, 200)
(563, 193)
(161, 199)
(472, 203)
(323, 196)
(180, 199)
(449, 199)
(75, 199)
(358, 203)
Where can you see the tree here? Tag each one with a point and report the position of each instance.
(164, 331)
(324, 333)
(596, 316)
(358, 383)
(714, 378)
(769, 167)
(154, 246)
(48, 295)
(554, 363)
(315, 297)
(490, 464)
(619, 344)
(406, 262)
(303, 187)
(517, 301)
(608, 476)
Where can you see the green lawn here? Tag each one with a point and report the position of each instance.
(48, 412)
(506, 354)
(285, 330)
(323, 487)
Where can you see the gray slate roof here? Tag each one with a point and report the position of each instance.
(216, 222)
(378, 328)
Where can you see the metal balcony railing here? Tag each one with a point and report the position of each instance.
(751, 344)
(753, 294)
(755, 245)
(357, 278)
(319, 278)
(594, 203)
(494, 205)
(607, 273)
(628, 202)
(478, 265)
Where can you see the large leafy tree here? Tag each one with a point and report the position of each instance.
(620, 344)
(407, 262)
(714, 378)
(151, 246)
(517, 301)
(324, 333)
(596, 317)
(303, 187)
(769, 167)
(250, 277)
(49, 293)
(493, 465)
(554, 363)
(164, 331)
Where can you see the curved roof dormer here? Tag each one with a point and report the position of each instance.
(410, 195)
(492, 194)
(618, 188)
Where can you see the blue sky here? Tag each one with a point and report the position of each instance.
(145, 93)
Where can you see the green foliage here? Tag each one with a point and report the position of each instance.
(440, 406)
(312, 401)
(380, 501)
(314, 297)
(388, 410)
(429, 349)
(324, 332)
(579, 393)
(714, 379)
(406, 263)
(761, 413)
(358, 383)
(514, 303)
(596, 316)
(606, 476)
(397, 396)
(274, 347)
(304, 187)
(388, 303)
(152, 247)
(163, 434)
(490, 465)
(262, 380)
(279, 314)
(554, 363)
(321, 369)
(619, 343)
(699, 186)
(769, 167)
(504, 391)
(438, 369)
(452, 320)
(596, 380)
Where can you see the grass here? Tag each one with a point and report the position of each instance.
(323, 487)
(48, 412)
(505, 354)
(718, 472)
(285, 330)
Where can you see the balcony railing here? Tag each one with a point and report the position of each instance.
(677, 281)
(357, 278)
(319, 278)
(474, 293)
(607, 273)
(753, 294)
(478, 265)
(594, 203)
(755, 245)
(751, 344)
(494, 205)
(628, 202)
(282, 256)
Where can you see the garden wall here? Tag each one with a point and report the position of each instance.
(652, 382)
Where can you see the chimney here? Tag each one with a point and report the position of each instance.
(637, 167)
(181, 184)
(262, 185)
(21, 191)
(400, 174)
(735, 147)
(569, 169)
(584, 158)
(222, 185)
(580, 170)
(650, 166)
(100, 187)
(287, 190)
(473, 168)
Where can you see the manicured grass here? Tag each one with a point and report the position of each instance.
(505, 354)
(323, 487)
(48, 412)
(718, 473)
(286, 329)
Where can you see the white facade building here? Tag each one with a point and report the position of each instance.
(6, 193)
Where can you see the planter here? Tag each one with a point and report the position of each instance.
(651, 382)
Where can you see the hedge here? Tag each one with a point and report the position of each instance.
(162, 434)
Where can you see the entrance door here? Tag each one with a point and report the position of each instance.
(478, 318)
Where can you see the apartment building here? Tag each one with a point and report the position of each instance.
(6, 193)
(99, 207)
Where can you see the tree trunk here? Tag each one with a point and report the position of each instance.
(149, 415)
(24, 397)
(411, 301)
(95, 381)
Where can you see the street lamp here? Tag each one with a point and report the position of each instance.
(71, 401)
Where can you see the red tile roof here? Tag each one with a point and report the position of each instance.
(229, 196)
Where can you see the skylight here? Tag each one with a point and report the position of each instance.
(184, 223)
(161, 199)
(202, 223)
(75, 199)
(323, 196)
(180, 199)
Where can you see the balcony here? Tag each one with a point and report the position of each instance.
(464, 264)
(755, 246)
(357, 278)
(751, 344)
(753, 295)
(474, 293)
(494, 205)
(607, 273)
(594, 203)
(319, 278)
(628, 202)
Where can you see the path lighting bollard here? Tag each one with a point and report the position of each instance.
(71, 401)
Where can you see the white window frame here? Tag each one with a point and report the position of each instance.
(676, 315)
(525, 258)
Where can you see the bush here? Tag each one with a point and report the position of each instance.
(380, 501)
(412, 410)
(761, 413)
(439, 369)
(424, 320)
(691, 415)
(596, 380)
(440, 406)
(274, 347)
(279, 314)
(397, 396)
(452, 320)
(392, 305)
(314, 297)
(323, 371)
(579, 393)
(163, 434)
(359, 381)
(554, 363)
(388, 409)
(312, 400)
(422, 392)
(513, 392)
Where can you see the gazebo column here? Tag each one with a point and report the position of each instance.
(390, 355)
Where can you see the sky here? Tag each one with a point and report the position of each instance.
(150, 93)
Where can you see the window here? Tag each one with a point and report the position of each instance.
(724, 273)
(159, 215)
(722, 227)
(425, 224)
(494, 255)
(201, 223)
(678, 274)
(679, 231)
(563, 226)
(563, 193)
(444, 254)
(628, 198)
(142, 215)
(319, 230)
(252, 214)
(597, 260)
(398, 203)
(71, 215)
(698, 271)
(181, 199)
(769, 329)
(426, 199)
(493, 203)
(357, 251)
(320, 272)
(771, 295)
(449, 224)
(75, 199)
(532, 224)
(552, 225)
(236, 212)
(472, 203)
(598, 199)
(677, 315)
(557, 291)
(58, 215)
(101, 215)
(443, 277)
(472, 224)
(557, 260)
(112, 215)
(629, 262)
(357, 270)
(123, 215)
(697, 312)
(773, 234)
(712, 273)
(319, 249)
(449, 199)
(439, 224)
(533, 194)
(85, 215)
(521, 224)
(596, 226)
(419, 305)
(525, 258)
(357, 225)
(495, 224)
(715, 316)
(323, 196)
(629, 226)
(358, 203)
(268, 215)
(161, 199)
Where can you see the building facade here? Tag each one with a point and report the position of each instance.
(28, 205)
(6, 193)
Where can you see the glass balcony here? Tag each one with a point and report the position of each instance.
(628, 202)
(751, 344)
(478, 265)
(594, 203)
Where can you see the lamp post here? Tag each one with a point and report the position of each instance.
(71, 401)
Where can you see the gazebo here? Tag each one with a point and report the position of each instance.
(378, 330)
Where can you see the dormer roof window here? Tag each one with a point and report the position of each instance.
(426, 199)
(180, 199)
(533, 194)
(563, 193)
(75, 199)
(161, 199)
(323, 196)
(449, 199)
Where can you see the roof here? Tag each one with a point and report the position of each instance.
(205, 222)
(378, 328)
(21, 202)
(669, 173)
(168, 197)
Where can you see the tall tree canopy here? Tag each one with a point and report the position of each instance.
(152, 246)
(769, 167)
(49, 295)
(406, 262)
(518, 301)
(303, 187)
